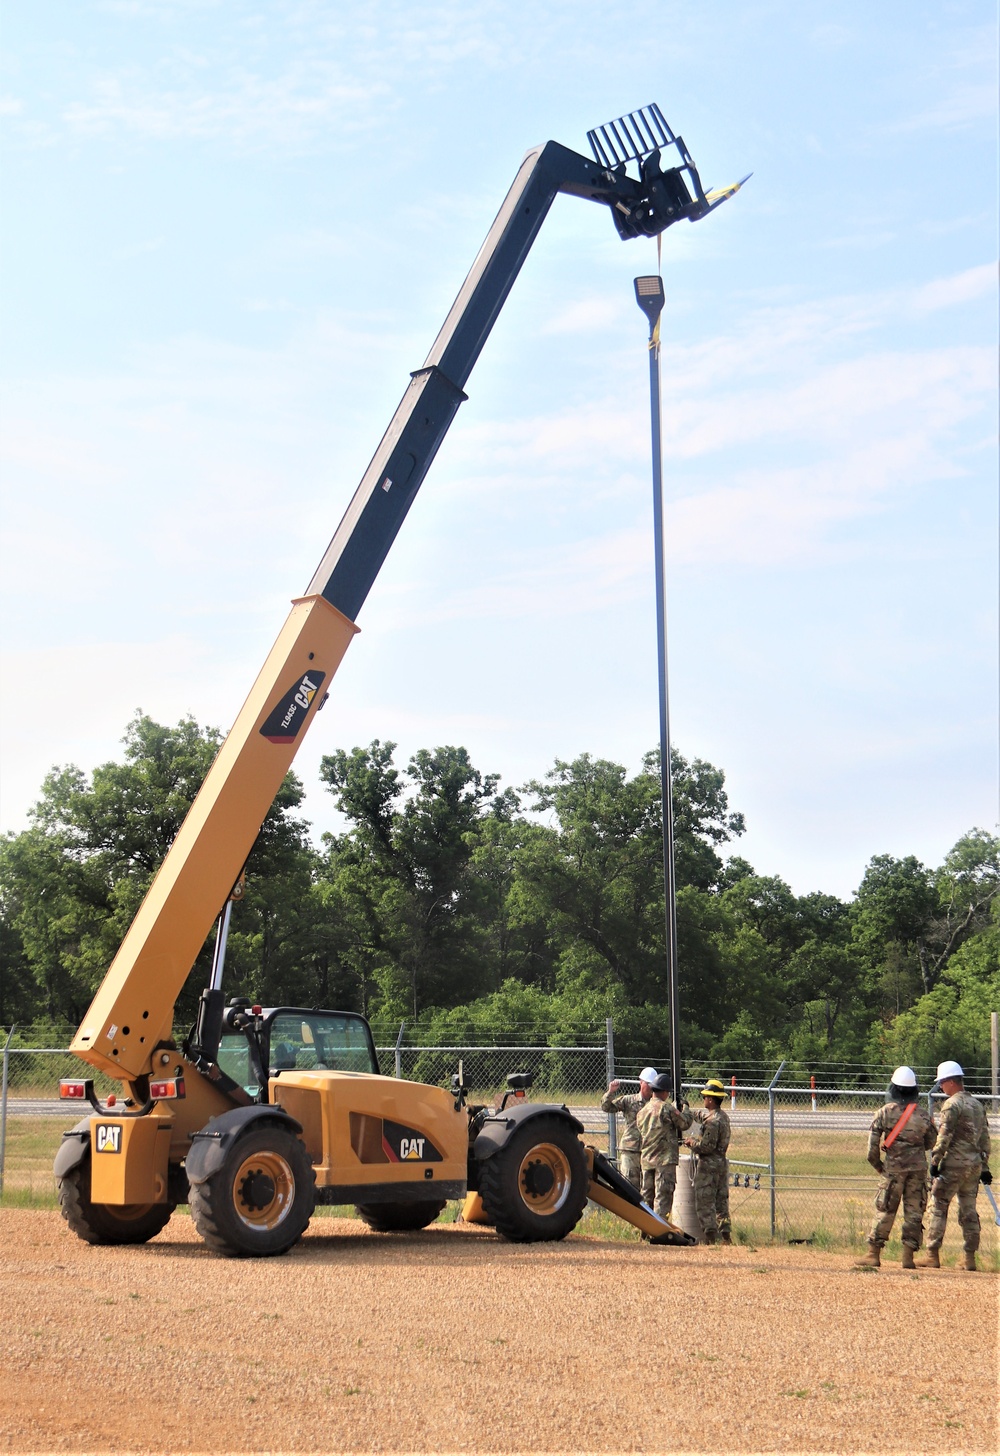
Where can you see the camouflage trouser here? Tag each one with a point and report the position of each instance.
(964, 1182)
(658, 1186)
(711, 1193)
(911, 1187)
(630, 1166)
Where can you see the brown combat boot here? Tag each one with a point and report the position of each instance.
(970, 1261)
(710, 1236)
(930, 1260)
(908, 1257)
(725, 1237)
(871, 1260)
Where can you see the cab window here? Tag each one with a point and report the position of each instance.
(320, 1041)
(234, 1060)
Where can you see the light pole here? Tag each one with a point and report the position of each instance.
(650, 297)
(671, 193)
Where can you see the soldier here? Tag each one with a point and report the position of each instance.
(711, 1179)
(901, 1133)
(630, 1147)
(960, 1161)
(660, 1123)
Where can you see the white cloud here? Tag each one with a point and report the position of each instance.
(960, 288)
(287, 110)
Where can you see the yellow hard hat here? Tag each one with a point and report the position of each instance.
(713, 1088)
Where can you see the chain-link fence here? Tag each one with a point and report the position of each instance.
(798, 1167)
(798, 1160)
(33, 1119)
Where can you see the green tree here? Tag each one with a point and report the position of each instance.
(953, 1019)
(597, 878)
(404, 871)
(72, 882)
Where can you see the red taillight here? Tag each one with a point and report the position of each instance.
(519, 1092)
(111, 1100)
(256, 1010)
(73, 1090)
(169, 1088)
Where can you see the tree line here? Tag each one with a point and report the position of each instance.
(470, 909)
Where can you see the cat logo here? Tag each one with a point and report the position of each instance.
(287, 717)
(109, 1137)
(412, 1148)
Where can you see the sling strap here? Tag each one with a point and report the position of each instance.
(904, 1119)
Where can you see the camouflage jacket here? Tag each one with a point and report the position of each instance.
(963, 1138)
(908, 1153)
(628, 1104)
(716, 1130)
(660, 1125)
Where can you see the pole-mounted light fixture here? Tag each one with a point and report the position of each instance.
(650, 297)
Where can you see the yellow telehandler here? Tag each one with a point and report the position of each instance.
(260, 1113)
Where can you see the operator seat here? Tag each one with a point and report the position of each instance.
(282, 1057)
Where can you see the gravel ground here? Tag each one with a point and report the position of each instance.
(452, 1341)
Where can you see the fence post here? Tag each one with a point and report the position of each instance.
(3, 1104)
(398, 1050)
(609, 1047)
(732, 1095)
(770, 1120)
(812, 1085)
(994, 1062)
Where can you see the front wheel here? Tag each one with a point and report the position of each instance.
(107, 1223)
(390, 1218)
(260, 1201)
(535, 1188)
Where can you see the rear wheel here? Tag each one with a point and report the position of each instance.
(261, 1199)
(389, 1218)
(106, 1223)
(535, 1188)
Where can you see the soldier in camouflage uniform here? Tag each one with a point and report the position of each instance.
(629, 1104)
(901, 1133)
(711, 1178)
(661, 1124)
(960, 1161)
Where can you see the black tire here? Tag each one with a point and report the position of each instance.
(535, 1188)
(261, 1200)
(391, 1218)
(105, 1223)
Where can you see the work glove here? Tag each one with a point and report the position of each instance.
(935, 1171)
(986, 1177)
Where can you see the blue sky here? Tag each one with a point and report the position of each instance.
(232, 229)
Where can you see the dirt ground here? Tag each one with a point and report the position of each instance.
(453, 1341)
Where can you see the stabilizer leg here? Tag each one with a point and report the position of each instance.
(611, 1191)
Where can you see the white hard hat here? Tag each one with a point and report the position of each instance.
(949, 1069)
(648, 1074)
(904, 1077)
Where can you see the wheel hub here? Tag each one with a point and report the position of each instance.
(257, 1190)
(538, 1180)
(545, 1178)
(263, 1190)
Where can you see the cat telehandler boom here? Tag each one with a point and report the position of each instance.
(259, 1113)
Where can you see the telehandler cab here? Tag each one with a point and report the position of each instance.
(261, 1113)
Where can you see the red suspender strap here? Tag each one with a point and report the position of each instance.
(910, 1109)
